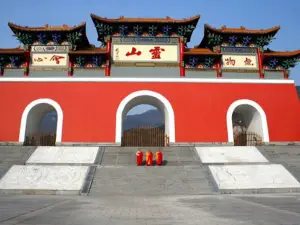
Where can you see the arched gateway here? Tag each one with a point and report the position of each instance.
(146, 97)
(139, 54)
(247, 123)
(33, 116)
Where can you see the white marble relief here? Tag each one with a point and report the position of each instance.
(232, 154)
(29, 177)
(253, 177)
(56, 155)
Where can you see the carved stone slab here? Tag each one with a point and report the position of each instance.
(63, 155)
(236, 154)
(29, 177)
(235, 177)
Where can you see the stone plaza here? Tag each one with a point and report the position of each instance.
(151, 210)
(114, 190)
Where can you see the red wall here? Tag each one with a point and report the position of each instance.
(200, 109)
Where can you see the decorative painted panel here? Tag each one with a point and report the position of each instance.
(56, 48)
(89, 61)
(12, 61)
(200, 62)
(239, 50)
(212, 39)
(280, 63)
(145, 40)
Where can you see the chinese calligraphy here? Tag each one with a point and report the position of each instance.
(145, 52)
(133, 52)
(248, 62)
(117, 53)
(230, 61)
(240, 61)
(156, 51)
(49, 59)
(38, 59)
(56, 58)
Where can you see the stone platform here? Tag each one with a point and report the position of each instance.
(44, 179)
(63, 155)
(234, 154)
(253, 178)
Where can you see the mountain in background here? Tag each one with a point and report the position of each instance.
(153, 118)
(49, 122)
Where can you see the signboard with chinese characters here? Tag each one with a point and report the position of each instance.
(49, 60)
(145, 49)
(239, 62)
(49, 56)
(244, 58)
(145, 53)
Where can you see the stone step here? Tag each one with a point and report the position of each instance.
(13, 155)
(173, 156)
(164, 180)
(288, 156)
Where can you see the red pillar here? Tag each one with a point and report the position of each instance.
(27, 61)
(218, 68)
(260, 63)
(218, 62)
(108, 51)
(181, 59)
(70, 69)
(285, 74)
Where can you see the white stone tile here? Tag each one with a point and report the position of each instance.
(29, 177)
(253, 177)
(232, 154)
(56, 155)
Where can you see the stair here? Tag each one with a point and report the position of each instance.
(182, 174)
(13, 155)
(288, 156)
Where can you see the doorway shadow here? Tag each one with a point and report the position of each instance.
(164, 163)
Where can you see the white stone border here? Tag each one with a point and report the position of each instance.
(161, 98)
(51, 102)
(257, 107)
(162, 80)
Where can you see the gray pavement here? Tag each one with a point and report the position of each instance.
(158, 210)
(13, 155)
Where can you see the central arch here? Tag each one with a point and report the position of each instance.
(146, 97)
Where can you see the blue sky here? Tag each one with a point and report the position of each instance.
(253, 14)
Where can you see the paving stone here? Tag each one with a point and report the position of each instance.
(153, 210)
(164, 180)
(13, 155)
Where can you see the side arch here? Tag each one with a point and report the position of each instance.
(34, 103)
(259, 109)
(166, 108)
